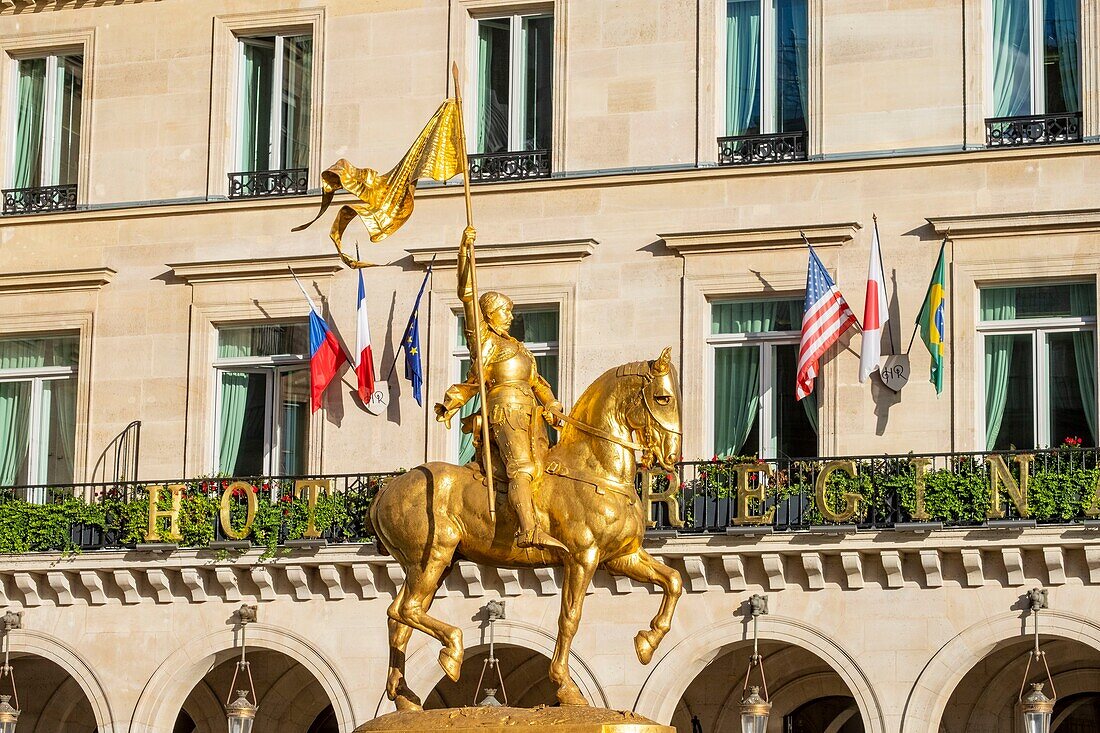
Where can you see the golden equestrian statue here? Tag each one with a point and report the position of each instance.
(437, 514)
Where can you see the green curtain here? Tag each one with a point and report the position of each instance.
(539, 327)
(997, 304)
(28, 126)
(1063, 91)
(297, 73)
(15, 405)
(1011, 58)
(1082, 300)
(737, 372)
(294, 422)
(258, 57)
(494, 38)
(742, 67)
(234, 387)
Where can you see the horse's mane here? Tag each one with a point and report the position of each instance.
(630, 369)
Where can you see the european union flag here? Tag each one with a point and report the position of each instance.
(410, 342)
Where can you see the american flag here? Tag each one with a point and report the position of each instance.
(825, 318)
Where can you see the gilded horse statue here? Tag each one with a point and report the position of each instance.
(438, 513)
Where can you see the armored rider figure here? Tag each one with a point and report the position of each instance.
(517, 397)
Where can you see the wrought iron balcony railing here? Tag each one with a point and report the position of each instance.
(737, 495)
(1003, 132)
(253, 184)
(37, 199)
(524, 165)
(748, 149)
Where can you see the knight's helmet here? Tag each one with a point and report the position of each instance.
(491, 300)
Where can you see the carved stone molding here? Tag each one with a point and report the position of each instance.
(861, 563)
(1013, 224)
(526, 253)
(747, 240)
(272, 268)
(50, 281)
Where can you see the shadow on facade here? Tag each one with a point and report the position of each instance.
(50, 698)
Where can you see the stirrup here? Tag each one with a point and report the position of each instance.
(538, 539)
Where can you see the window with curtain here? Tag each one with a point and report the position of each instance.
(514, 62)
(262, 411)
(38, 411)
(766, 66)
(46, 147)
(1039, 364)
(754, 358)
(537, 328)
(1035, 57)
(273, 110)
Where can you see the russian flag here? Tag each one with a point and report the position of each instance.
(364, 360)
(325, 357)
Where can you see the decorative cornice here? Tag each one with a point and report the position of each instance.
(748, 240)
(857, 562)
(272, 268)
(14, 7)
(1004, 225)
(49, 281)
(526, 253)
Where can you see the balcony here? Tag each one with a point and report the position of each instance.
(524, 165)
(257, 184)
(39, 199)
(781, 147)
(1013, 132)
(1007, 490)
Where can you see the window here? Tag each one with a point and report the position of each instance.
(765, 46)
(537, 328)
(46, 147)
(262, 400)
(754, 345)
(1039, 364)
(1035, 57)
(38, 410)
(274, 105)
(514, 62)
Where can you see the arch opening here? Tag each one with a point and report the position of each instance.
(50, 698)
(807, 694)
(525, 673)
(290, 698)
(985, 698)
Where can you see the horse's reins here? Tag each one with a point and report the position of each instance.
(598, 432)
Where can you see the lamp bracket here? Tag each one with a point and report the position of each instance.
(1037, 599)
(247, 614)
(494, 610)
(12, 620)
(758, 605)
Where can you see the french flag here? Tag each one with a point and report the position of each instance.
(364, 359)
(325, 354)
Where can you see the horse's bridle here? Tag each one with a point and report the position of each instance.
(651, 445)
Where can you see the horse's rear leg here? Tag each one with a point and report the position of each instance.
(578, 575)
(411, 608)
(396, 689)
(644, 568)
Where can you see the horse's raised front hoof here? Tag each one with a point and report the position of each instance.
(644, 645)
(451, 662)
(569, 694)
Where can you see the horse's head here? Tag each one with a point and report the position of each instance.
(656, 416)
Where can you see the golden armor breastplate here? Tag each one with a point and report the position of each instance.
(511, 362)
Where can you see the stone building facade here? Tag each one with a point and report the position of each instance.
(156, 156)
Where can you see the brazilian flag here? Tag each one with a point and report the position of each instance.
(931, 319)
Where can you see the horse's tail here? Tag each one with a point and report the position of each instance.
(368, 519)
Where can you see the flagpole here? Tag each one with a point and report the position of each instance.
(408, 324)
(476, 356)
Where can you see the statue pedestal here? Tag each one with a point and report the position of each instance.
(515, 720)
